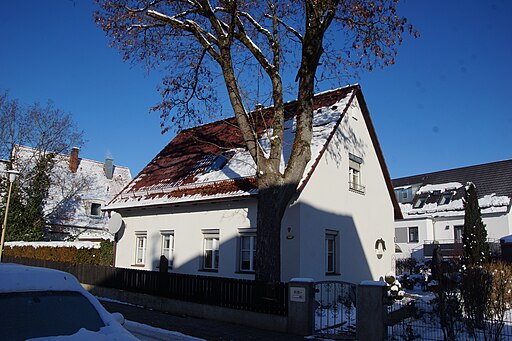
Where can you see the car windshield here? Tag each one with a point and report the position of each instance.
(25, 315)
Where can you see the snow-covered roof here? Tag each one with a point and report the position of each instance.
(211, 161)
(493, 182)
(73, 192)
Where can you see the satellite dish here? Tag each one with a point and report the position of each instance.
(115, 223)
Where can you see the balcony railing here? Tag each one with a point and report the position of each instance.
(451, 248)
(356, 187)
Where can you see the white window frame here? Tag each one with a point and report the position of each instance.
(331, 252)
(455, 229)
(168, 252)
(212, 235)
(409, 239)
(249, 234)
(354, 174)
(141, 241)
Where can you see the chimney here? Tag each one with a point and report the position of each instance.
(73, 159)
(108, 167)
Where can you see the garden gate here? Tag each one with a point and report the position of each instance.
(335, 308)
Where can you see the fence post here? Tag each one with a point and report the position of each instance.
(301, 299)
(371, 311)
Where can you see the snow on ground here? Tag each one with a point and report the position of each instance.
(148, 333)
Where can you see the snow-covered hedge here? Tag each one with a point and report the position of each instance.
(69, 252)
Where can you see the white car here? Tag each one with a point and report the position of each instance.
(45, 304)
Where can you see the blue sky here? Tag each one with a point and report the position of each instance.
(445, 104)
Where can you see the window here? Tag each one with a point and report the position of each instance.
(445, 199)
(140, 250)
(420, 201)
(211, 251)
(330, 252)
(413, 234)
(457, 233)
(247, 252)
(95, 209)
(401, 235)
(354, 171)
(168, 247)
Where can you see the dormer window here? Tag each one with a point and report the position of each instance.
(445, 199)
(420, 201)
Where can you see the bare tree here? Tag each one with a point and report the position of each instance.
(30, 137)
(261, 51)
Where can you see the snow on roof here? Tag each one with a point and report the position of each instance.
(450, 186)
(493, 183)
(72, 193)
(211, 162)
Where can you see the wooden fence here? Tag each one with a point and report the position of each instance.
(219, 291)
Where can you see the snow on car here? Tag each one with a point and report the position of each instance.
(47, 304)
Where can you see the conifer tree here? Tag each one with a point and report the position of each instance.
(474, 238)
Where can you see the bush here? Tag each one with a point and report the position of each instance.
(101, 256)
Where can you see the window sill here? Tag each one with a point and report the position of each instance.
(245, 272)
(208, 270)
(332, 274)
(138, 265)
(361, 192)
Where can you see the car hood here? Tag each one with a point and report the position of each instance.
(113, 332)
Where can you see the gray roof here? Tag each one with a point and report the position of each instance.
(489, 178)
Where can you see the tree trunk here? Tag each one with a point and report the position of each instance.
(272, 204)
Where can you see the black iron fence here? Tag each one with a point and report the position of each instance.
(232, 293)
(335, 308)
(418, 319)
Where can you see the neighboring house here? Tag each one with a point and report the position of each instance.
(79, 190)
(433, 209)
(196, 201)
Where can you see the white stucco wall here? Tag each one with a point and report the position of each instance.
(442, 229)
(188, 223)
(360, 219)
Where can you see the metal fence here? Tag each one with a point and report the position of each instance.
(416, 319)
(232, 293)
(335, 308)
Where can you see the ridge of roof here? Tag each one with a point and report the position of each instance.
(454, 169)
(67, 156)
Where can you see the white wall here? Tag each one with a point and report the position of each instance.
(442, 229)
(187, 223)
(360, 219)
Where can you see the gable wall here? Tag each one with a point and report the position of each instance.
(359, 219)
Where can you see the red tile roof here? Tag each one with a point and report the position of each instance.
(172, 176)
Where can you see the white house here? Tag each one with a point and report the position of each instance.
(433, 209)
(195, 202)
(79, 190)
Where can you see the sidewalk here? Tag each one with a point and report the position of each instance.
(197, 327)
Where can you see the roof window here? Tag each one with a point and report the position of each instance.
(220, 160)
(420, 201)
(445, 199)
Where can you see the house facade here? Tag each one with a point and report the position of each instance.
(433, 209)
(79, 189)
(195, 203)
